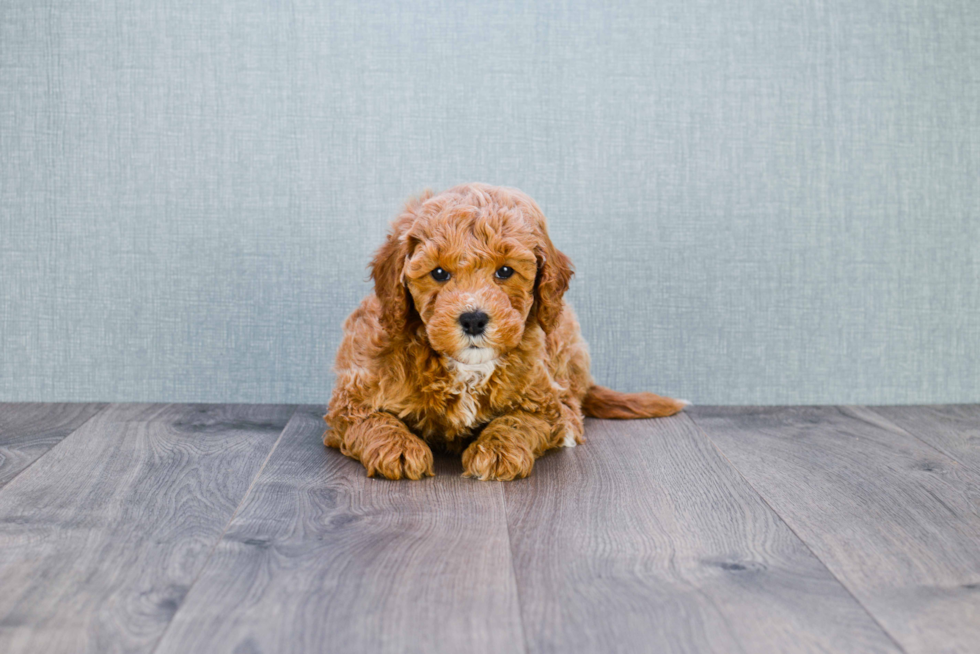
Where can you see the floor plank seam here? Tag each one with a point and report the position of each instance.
(513, 572)
(50, 449)
(224, 531)
(776, 513)
(911, 434)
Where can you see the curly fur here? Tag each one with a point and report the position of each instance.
(409, 378)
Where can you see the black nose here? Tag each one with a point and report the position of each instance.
(474, 322)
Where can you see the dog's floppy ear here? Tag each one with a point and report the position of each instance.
(554, 272)
(387, 270)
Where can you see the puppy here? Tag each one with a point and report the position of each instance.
(467, 342)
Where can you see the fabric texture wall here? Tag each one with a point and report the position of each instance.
(768, 201)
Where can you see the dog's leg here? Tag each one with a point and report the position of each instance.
(573, 423)
(508, 446)
(386, 447)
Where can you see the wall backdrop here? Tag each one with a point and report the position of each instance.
(768, 201)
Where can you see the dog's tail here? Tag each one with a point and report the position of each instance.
(602, 402)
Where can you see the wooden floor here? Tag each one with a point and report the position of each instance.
(229, 528)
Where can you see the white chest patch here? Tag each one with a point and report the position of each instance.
(469, 379)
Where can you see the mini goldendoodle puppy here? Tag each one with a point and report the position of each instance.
(468, 342)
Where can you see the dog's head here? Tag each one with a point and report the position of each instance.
(475, 265)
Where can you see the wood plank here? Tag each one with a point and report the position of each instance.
(646, 539)
(323, 559)
(28, 430)
(101, 538)
(895, 520)
(954, 429)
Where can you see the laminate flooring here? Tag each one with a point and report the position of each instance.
(230, 528)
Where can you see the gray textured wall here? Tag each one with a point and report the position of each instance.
(768, 202)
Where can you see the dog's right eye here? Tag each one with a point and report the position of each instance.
(440, 275)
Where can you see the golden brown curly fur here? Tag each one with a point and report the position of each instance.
(409, 376)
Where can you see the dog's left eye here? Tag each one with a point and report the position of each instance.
(504, 272)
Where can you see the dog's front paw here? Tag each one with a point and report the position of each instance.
(398, 456)
(502, 459)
